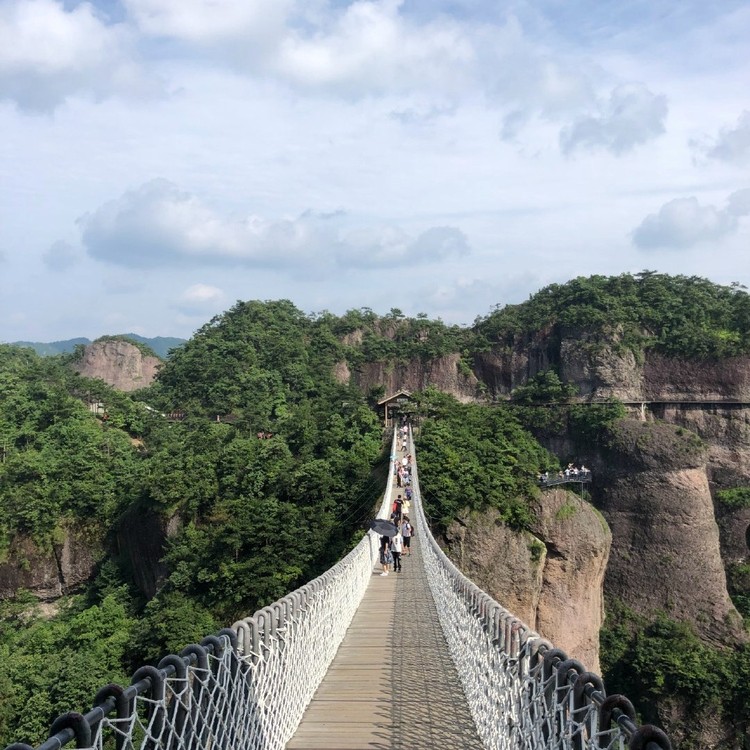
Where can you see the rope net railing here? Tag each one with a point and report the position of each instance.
(244, 688)
(523, 693)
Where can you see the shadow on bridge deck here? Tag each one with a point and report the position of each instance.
(392, 684)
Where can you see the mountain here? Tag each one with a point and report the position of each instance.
(52, 348)
(160, 344)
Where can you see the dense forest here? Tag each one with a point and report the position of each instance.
(678, 316)
(271, 494)
(257, 517)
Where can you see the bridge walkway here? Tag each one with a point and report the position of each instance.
(392, 684)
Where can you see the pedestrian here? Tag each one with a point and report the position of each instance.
(397, 547)
(397, 505)
(406, 534)
(386, 556)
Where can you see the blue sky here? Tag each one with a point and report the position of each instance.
(161, 159)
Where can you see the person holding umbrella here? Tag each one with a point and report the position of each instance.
(386, 556)
(386, 529)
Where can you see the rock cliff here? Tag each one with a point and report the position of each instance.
(141, 539)
(652, 486)
(550, 577)
(602, 369)
(51, 573)
(118, 363)
(68, 564)
(444, 373)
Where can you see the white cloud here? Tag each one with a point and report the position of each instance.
(683, 222)
(732, 144)
(48, 54)
(382, 247)
(370, 46)
(632, 116)
(200, 299)
(201, 294)
(738, 203)
(159, 225)
(60, 256)
(464, 298)
(206, 22)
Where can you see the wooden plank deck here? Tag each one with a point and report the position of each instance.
(392, 684)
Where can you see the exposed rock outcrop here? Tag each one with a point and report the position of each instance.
(605, 368)
(654, 492)
(671, 379)
(508, 565)
(50, 573)
(118, 363)
(64, 566)
(578, 543)
(443, 373)
(141, 538)
(550, 578)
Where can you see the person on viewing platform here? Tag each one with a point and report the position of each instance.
(571, 473)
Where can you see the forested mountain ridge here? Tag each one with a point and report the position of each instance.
(186, 524)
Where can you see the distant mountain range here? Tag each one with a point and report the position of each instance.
(160, 344)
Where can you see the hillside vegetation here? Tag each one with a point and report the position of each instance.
(257, 516)
(678, 316)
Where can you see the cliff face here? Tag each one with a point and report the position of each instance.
(605, 368)
(67, 565)
(550, 578)
(141, 538)
(118, 363)
(50, 573)
(443, 373)
(653, 488)
(671, 542)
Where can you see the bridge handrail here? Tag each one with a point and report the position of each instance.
(513, 678)
(274, 659)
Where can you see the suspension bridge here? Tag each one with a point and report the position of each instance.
(353, 660)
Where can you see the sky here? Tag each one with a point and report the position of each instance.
(162, 159)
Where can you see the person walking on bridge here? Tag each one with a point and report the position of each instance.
(397, 547)
(406, 534)
(386, 556)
